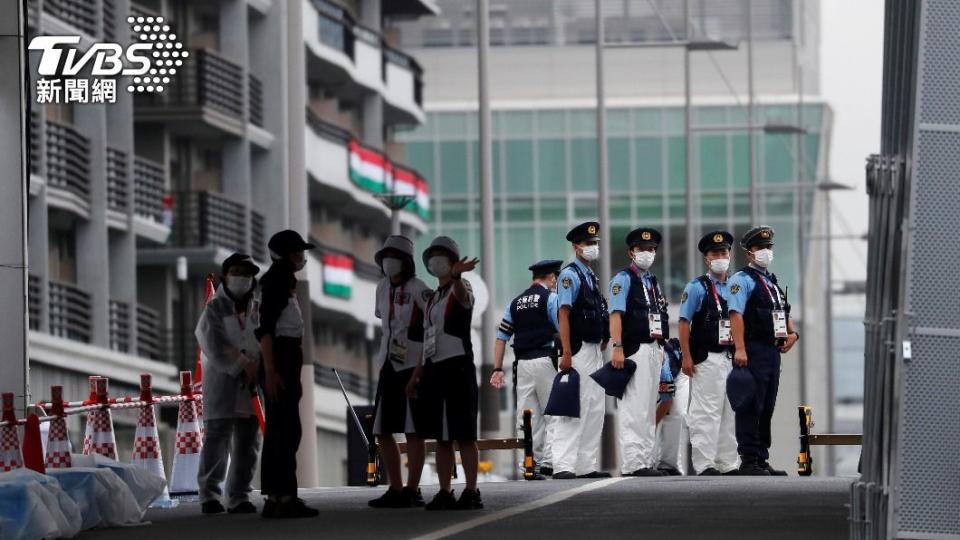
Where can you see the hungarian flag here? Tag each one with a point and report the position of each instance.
(369, 169)
(337, 275)
(408, 182)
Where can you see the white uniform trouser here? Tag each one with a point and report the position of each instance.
(576, 443)
(670, 432)
(711, 419)
(534, 382)
(637, 418)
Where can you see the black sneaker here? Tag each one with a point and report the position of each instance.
(444, 500)
(646, 471)
(734, 472)
(669, 471)
(710, 471)
(595, 474)
(546, 471)
(212, 507)
(564, 475)
(414, 497)
(269, 509)
(470, 500)
(294, 509)
(246, 507)
(750, 466)
(771, 470)
(391, 499)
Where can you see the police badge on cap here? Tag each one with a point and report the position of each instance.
(757, 236)
(584, 232)
(715, 240)
(643, 237)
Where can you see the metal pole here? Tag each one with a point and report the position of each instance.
(603, 181)
(691, 238)
(489, 402)
(395, 221)
(828, 326)
(801, 194)
(754, 203)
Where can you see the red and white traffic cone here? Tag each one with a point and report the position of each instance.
(58, 444)
(186, 457)
(146, 444)
(10, 456)
(99, 437)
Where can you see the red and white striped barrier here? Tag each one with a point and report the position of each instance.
(186, 457)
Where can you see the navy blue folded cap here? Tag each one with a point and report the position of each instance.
(740, 389)
(565, 395)
(614, 381)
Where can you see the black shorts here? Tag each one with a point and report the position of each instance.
(446, 404)
(393, 413)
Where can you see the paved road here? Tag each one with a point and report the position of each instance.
(674, 508)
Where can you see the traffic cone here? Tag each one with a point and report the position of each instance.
(58, 444)
(186, 457)
(10, 456)
(146, 443)
(32, 445)
(99, 437)
(208, 291)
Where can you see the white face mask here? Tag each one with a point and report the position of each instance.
(438, 266)
(239, 285)
(644, 259)
(590, 253)
(763, 257)
(392, 267)
(719, 266)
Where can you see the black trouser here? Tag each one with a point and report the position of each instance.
(278, 463)
(753, 424)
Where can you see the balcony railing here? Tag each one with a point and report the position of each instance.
(109, 20)
(36, 152)
(33, 13)
(81, 14)
(404, 60)
(357, 384)
(70, 312)
(208, 219)
(206, 80)
(151, 338)
(255, 95)
(34, 301)
(258, 239)
(148, 188)
(361, 269)
(68, 159)
(117, 179)
(119, 326)
(336, 26)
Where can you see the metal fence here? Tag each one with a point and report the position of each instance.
(70, 312)
(148, 188)
(117, 179)
(68, 159)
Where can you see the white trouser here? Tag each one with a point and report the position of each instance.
(534, 382)
(576, 443)
(670, 433)
(637, 420)
(711, 419)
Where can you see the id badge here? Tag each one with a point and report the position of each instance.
(724, 337)
(430, 342)
(656, 327)
(779, 323)
(398, 351)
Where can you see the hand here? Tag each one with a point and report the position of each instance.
(617, 358)
(249, 369)
(496, 380)
(687, 366)
(273, 385)
(414, 383)
(740, 358)
(463, 265)
(789, 343)
(566, 362)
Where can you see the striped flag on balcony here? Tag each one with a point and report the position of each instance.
(337, 275)
(369, 169)
(407, 182)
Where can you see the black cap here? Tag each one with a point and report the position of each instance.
(239, 259)
(286, 242)
(584, 232)
(757, 236)
(643, 237)
(547, 266)
(715, 240)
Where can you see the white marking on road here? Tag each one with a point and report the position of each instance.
(510, 512)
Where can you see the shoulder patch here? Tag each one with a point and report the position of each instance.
(567, 283)
(426, 294)
(616, 289)
(683, 297)
(735, 288)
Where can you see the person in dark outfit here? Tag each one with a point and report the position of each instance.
(281, 343)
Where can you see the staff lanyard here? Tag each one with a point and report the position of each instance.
(652, 292)
(716, 297)
(777, 303)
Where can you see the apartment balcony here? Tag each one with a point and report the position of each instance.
(67, 159)
(206, 97)
(338, 180)
(332, 306)
(152, 339)
(119, 325)
(34, 301)
(410, 8)
(352, 381)
(349, 59)
(64, 16)
(70, 312)
(255, 99)
(149, 190)
(118, 185)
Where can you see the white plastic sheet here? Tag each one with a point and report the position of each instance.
(33, 506)
(144, 485)
(104, 499)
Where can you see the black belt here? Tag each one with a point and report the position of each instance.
(536, 353)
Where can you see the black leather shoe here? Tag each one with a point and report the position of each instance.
(269, 509)
(669, 471)
(546, 471)
(444, 500)
(595, 474)
(212, 507)
(771, 470)
(564, 475)
(734, 472)
(710, 471)
(647, 472)
(294, 509)
(391, 499)
(750, 466)
(246, 507)
(414, 497)
(470, 500)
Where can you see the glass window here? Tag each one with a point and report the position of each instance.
(519, 210)
(676, 164)
(420, 157)
(552, 164)
(618, 122)
(649, 156)
(519, 166)
(646, 120)
(618, 165)
(550, 123)
(649, 208)
(454, 211)
(710, 116)
(583, 122)
(713, 162)
(453, 168)
(517, 124)
(585, 208)
(740, 153)
(553, 209)
(583, 153)
(620, 209)
(451, 125)
(713, 205)
(778, 158)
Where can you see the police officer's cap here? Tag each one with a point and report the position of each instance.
(614, 381)
(715, 240)
(286, 242)
(757, 236)
(548, 266)
(444, 243)
(741, 388)
(242, 260)
(643, 237)
(564, 397)
(397, 243)
(584, 232)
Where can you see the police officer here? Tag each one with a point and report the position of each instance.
(445, 382)
(532, 320)
(638, 326)
(584, 332)
(762, 330)
(706, 344)
(401, 303)
(281, 343)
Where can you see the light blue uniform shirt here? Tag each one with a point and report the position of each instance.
(553, 310)
(694, 294)
(666, 376)
(620, 290)
(743, 284)
(568, 284)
